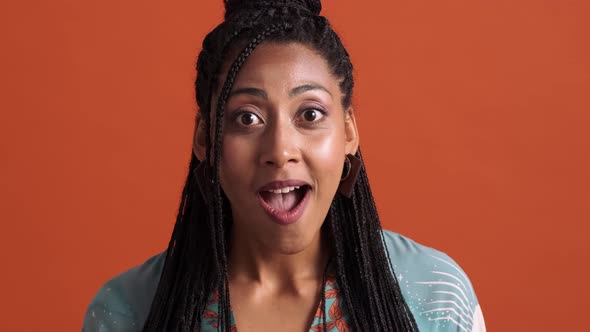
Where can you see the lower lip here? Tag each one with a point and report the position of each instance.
(286, 217)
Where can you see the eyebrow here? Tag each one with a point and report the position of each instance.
(307, 87)
(294, 92)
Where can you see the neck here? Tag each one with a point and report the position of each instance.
(253, 262)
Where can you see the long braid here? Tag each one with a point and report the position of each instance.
(361, 222)
(196, 261)
(223, 287)
(401, 317)
(336, 215)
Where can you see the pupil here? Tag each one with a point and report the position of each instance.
(247, 119)
(310, 115)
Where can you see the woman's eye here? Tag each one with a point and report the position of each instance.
(248, 119)
(312, 115)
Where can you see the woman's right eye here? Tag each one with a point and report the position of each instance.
(248, 119)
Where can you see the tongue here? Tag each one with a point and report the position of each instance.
(282, 202)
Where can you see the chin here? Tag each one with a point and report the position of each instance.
(290, 249)
(291, 244)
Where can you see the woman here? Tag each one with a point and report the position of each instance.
(277, 229)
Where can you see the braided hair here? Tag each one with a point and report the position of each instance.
(196, 260)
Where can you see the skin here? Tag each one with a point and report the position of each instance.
(270, 133)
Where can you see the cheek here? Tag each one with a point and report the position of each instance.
(325, 155)
(236, 167)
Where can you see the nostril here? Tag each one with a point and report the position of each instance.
(280, 162)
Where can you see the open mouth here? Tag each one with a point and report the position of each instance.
(284, 199)
(285, 205)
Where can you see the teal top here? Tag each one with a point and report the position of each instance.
(435, 288)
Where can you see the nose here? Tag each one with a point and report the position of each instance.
(279, 146)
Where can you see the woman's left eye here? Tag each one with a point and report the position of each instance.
(312, 115)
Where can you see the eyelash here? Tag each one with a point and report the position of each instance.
(240, 113)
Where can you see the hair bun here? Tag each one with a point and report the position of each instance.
(313, 7)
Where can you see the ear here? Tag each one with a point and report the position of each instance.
(351, 133)
(199, 138)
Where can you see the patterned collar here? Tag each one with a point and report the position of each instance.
(336, 320)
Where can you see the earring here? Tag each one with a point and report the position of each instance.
(352, 166)
(204, 180)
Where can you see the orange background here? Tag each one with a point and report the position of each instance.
(474, 120)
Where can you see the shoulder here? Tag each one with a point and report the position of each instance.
(123, 303)
(435, 287)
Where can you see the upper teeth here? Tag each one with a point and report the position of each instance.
(284, 190)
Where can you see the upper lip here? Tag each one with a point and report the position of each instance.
(283, 184)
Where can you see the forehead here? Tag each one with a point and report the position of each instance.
(283, 65)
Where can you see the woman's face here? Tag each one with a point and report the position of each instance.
(283, 128)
